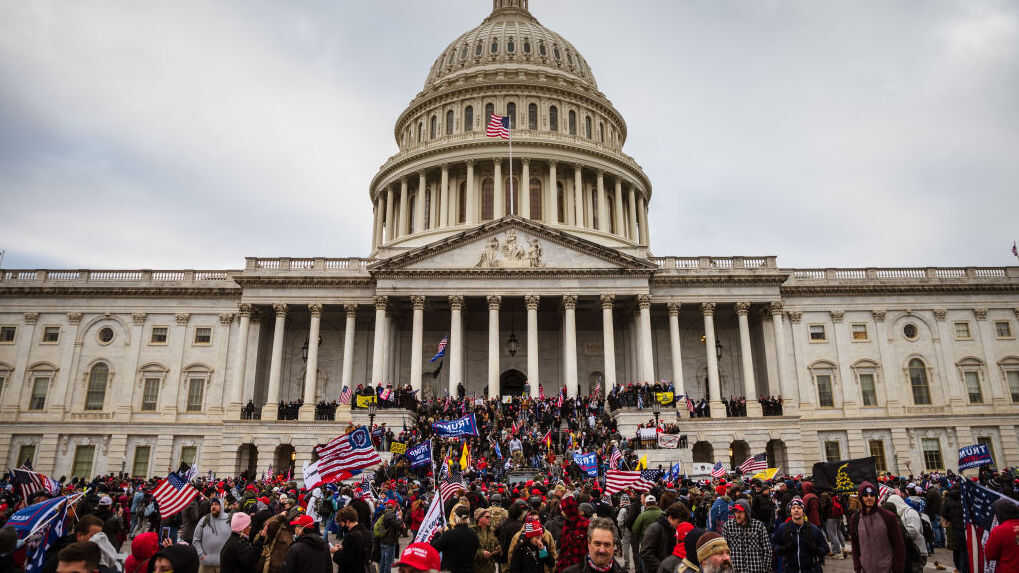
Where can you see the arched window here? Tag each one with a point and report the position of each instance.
(461, 199)
(560, 202)
(478, 48)
(449, 59)
(971, 372)
(511, 112)
(532, 116)
(495, 45)
(918, 380)
(527, 45)
(433, 125)
(427, 223)
(489, 110)
(463, 52)
(515, 193)
(410, 210)
(449, 122)
(541, 48)
(535, 192)
(421, 131)
(555, 52)
(553, 118)
(601, 131)
(96, 392)
(510, 46)
(469, 118)
(610, 203)
(587, 127)
(573, 122)
(487, 199)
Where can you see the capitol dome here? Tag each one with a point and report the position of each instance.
(568, 170)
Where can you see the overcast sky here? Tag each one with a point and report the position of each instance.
(192, 134)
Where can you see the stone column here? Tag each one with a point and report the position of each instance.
(634, 231)
(608, 342)
(570, 305)
(347, 374)
(677, 353)
(64, 378)
(379, 340)
(746, 357)
(714, 385)
(307, 411)
(404, 215)
(532, 343)
(647, 358)
(390, 224)
(787, 384)
(469, 204)
(578, 195)
(603, 208)
(18, 395)
(493, 345)
(419, 204)
(552, 204)
(589, 209)
(240, 357)
(499, 194)
(444, 198)
(620, 230)
(269, 409)
(524, 192)
(377, 220)
(1000, 394)
(642, 222)
(416, 340)
(456, 303)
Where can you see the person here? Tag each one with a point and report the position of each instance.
(650, 515)
(532, 554)
(951, 513)
(354, 552)
(458, 545)
(749, 545)
(573, 539)
(275, 539)
(800, 545)
(416, 558)
(1003, 542)
(143, 547)
(913, 526)
(878, 545)
(689, 562)
(624, 532)
(238, 554)
(308, 553)
(489, 547)
(79, 557)
(211, 534)
(713, 553)
(174, 558)
(660, 537)
(87, 527)
(602, 539)
(388, 529)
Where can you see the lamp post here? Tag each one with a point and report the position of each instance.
(656, 407)
(372, 407)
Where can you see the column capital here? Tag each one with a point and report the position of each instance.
(552, 162)
(644, 301)
(225, 318)
(403, 181)
(494, 302)
(74, 317)
(795, 316)
(183, 318)
(879, 315)
(708, 308)
(456, 302)
(417, 302)
(743, 308)
(674, 308)
(940, 314)
(776, 309)
(525, 160)
(31, 317)
(980, 313)
(601, 173)
(244, 309)
(1016, 311)
(280, 309)
(837, 315)
(469, 162)
(381, 302)
(531, 301)
(570, 301)
(138, 318)
(315, 309)
(351, 310)
(607, 301)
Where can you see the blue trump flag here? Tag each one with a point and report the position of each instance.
(40, 526)
(420, 455)
(465, 426)
(674, 473)
(588, 463)
(974, 456)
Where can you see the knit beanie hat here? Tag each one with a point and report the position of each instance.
(532, 528)
(239, 522)
(709, 544)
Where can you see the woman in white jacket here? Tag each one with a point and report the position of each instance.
(914, 529)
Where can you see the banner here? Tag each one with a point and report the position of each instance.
(664, 397)
(765, 475)
(974, 456)
(465, 426)
(312, 478)
(588, 463)
(363, 401)
(398, 448)
(648, 433)
(507, 399)
(433, 521)
(845, 476)
(669, 441)
(420, 455)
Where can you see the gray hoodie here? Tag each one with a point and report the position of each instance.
(210, 536)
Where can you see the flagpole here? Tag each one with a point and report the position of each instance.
(511, 169)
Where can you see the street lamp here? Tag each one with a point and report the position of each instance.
(372, 407)
(656, 407)
(304, 349)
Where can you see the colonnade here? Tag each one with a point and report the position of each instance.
(471, 192)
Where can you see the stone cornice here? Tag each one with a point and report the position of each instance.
(487, 274)
(708, 278)
(119, 291)
(305, 281)
(884, 289)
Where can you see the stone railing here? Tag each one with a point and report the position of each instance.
(904, 274)
(350, 264)
(100, 276)
(714, 263)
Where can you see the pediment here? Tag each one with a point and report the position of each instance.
(513, 244)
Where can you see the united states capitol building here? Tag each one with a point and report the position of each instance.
(540, 272)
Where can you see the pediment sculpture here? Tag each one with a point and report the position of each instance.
(510, 254)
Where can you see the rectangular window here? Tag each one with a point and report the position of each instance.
(51, 335)
(867, 389)
(150, 394)
(877, 449)
(159, 335)
(962, 331)
(3, 381)
(817, 333)
(203, 335)
(82, 467)
(1003, 329)
(8, 334)
(140, 467)
(987, 441)
(40, 384)
(196, 386)
(188, 455)
(932, 455)
(832, 451)
(859, 332)
(973, 387)
(26, 455)
(824, 392)
(1013, 383)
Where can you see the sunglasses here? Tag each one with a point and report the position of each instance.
(868, 494)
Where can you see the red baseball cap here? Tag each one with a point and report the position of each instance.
(303, 521)
(421, 556)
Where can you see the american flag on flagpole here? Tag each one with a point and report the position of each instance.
(173, 494)
(453, 484)
(345, 395)
(441, 350)
(979, 519)
(346, 453)
(619, 480)
(30, 482)
(498, 126)
(754, 464)
(616, 459)
(718, 471)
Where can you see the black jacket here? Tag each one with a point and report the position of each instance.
(659, 540)
(356, 552)
(803, 555)
(585, 567)
(505, 533)
(364, 513)
(458, 546)
(308, 554)
(526, 558)
(238, 555)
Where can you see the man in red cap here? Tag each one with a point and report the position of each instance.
(418, 558)
(308, 553)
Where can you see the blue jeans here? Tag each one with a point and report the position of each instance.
(388, 555)
(939, 532)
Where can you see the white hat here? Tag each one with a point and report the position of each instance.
(650, 499)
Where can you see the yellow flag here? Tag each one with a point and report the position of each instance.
(766, 474)
(642, 464)
(465, 458)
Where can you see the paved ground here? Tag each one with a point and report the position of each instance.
(846, 565)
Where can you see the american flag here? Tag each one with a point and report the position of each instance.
(441, 350)
(346, 453)
(173, 494)
(718, 471)
(559, 401)
(30, 482)
(345, 395)
(979, 519)
(498, 126)
(548, 439)
(453, 484)
(616, 459)
(754, 464)
(619, 480)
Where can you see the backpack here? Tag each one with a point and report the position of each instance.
(380, 530)
(928, 530)
(324, 507)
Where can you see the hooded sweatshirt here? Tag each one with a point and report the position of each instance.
(211, 535)
(143, 547)
(911, 521)
(1003, 542)
(182, 557)
(877, 532)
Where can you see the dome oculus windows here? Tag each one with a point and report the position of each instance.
(105, 335)
(909, 331)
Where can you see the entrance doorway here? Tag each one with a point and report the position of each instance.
(284, 460)
(247, 460)
(511, 383)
